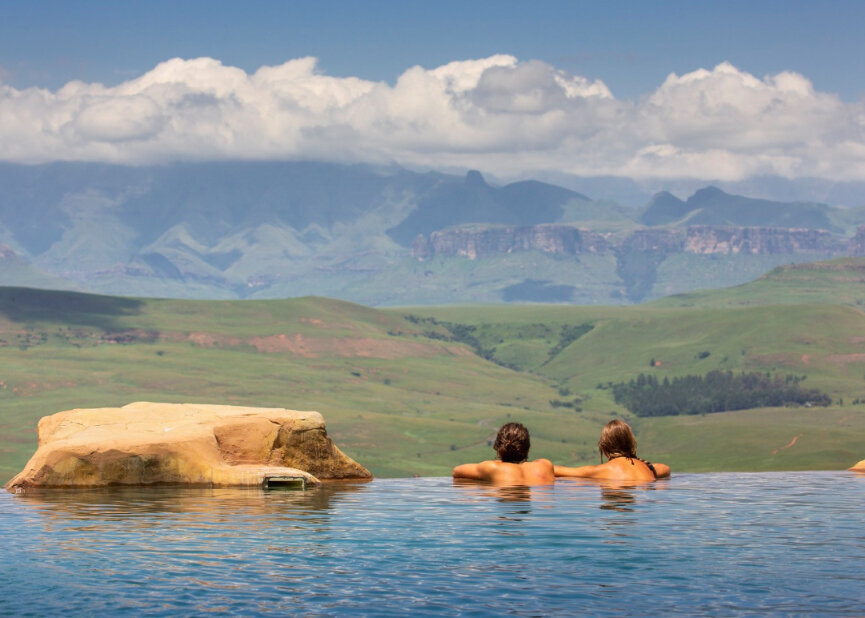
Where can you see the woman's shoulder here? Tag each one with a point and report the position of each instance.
(630, 468)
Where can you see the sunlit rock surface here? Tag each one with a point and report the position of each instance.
(186, 444)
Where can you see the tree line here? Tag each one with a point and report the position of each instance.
(717, 391)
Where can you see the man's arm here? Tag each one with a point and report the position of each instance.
(479, 472)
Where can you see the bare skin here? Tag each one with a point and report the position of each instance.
(537, 472)
(616, 469)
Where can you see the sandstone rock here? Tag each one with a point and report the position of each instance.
(859, 467)
(189, 444)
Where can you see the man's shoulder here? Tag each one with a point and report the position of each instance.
(541, 463)
(493, 464)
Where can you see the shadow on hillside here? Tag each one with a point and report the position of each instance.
(28, 305)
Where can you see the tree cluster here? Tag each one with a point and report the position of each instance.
(717, 391)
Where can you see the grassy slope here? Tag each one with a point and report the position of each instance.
(401, 403)
(404, 403)
(824, 342)
(840, 281)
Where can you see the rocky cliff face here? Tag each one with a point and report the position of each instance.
(654, 240)
(476, 241)
(706, 240)
(856, 246)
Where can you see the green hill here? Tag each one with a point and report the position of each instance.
(839, 281)
(417, 390)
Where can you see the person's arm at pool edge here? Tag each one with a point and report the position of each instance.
(479, 472)
(662, 471)
(579, 472)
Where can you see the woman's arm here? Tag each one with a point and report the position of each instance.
(662, 471)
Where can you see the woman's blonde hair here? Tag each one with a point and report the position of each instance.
(617, 440)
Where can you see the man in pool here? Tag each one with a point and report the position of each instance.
(512, 468)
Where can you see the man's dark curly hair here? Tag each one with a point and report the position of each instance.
(513, 443)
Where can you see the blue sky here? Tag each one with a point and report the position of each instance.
(721, 90)
(632, 46)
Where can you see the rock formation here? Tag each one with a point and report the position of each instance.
(184, 444)
(659, 240)
(705, 239)
(479, 241)
(859, 467)
(856, 246)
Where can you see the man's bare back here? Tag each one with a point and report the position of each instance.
(537, 472)
(512, 445)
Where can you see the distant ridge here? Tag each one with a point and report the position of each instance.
(277, 229)
(712, 206)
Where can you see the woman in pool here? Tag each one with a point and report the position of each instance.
(512, 468)
(619, 445)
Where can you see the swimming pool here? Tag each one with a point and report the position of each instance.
(697, 544)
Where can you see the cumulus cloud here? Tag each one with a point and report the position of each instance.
(497, 114)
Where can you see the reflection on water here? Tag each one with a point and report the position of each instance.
(516, 500)
(141, 502)
(197, 529)
(502, 493)
(517, 493)
(618, 498)
(622, 495)
(698, 544)
(143, 509)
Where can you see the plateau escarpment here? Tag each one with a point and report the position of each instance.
(479, 241)
(726, 240)
(856, 246)
(474, 242)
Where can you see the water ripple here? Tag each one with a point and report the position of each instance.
(695, 545)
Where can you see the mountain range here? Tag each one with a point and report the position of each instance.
(385, 236)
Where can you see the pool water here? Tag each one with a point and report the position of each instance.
(776, 543)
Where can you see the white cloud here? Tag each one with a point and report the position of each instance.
(117, 119)
(496, 114)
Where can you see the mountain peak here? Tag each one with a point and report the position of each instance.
(663, 195)
(707, 192)
(475, 179)
(663, 209)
